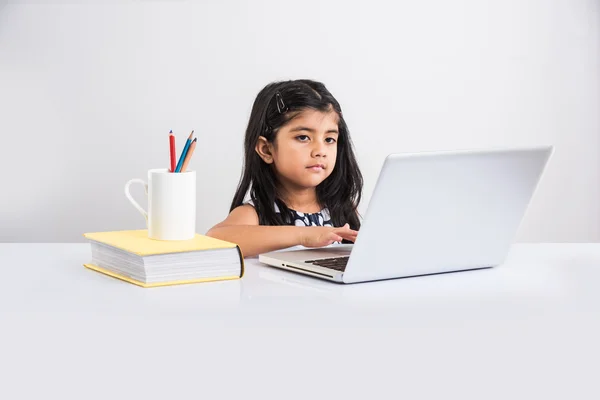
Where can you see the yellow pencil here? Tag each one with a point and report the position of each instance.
(186, 161)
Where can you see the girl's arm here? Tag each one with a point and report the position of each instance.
(241, 227)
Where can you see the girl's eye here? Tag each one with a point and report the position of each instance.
(330, 140)
(302, 138)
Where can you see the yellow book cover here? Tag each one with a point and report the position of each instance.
(137, 242)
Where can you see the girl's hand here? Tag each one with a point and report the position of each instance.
(319, 236)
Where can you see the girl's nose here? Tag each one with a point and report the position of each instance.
(318, 150)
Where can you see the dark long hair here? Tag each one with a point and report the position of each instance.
(340, 192)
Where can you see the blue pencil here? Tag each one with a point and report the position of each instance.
(184, 152)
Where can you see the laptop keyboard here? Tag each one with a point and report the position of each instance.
(337, 263)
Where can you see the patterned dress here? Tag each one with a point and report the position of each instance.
(321, 218)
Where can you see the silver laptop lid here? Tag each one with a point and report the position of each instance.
(444, 211)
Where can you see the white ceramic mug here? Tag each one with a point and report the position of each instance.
(171, 204)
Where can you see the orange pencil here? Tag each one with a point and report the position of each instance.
(188, 142)
(189, 155)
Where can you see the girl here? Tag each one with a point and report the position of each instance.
(299, 171)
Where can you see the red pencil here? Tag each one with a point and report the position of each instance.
(172, 150)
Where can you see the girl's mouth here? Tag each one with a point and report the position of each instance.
(316, 167)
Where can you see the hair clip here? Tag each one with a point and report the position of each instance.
(281, 107)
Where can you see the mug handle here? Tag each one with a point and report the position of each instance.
(135, 204)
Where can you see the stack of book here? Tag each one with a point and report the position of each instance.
(133, 257)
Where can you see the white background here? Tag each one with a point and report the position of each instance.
(89, 92)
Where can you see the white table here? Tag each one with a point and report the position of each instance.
(528, 329)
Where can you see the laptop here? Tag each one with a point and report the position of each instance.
(431, 213)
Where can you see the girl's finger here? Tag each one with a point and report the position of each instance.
(345, 230)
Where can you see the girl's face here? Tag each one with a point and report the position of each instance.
(304, 150)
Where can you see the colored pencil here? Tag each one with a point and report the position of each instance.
(172, 150)
(184, 152)
(189, 155)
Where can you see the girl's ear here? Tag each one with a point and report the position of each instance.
(264, 149)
